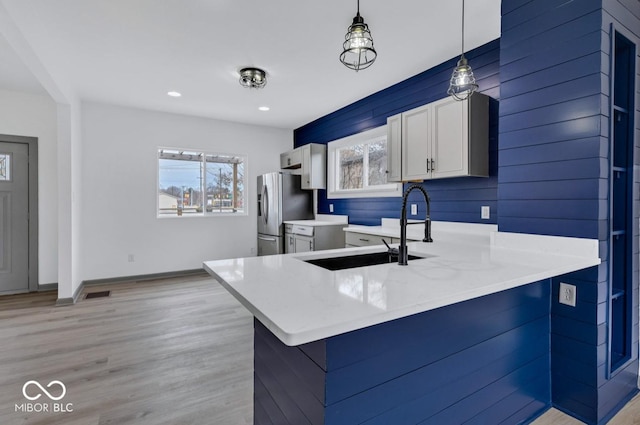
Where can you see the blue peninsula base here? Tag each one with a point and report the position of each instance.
(482, 361)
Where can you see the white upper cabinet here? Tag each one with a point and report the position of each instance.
(446, 138)
(311, 160)
(394, 150)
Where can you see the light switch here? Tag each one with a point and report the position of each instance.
(414, 209)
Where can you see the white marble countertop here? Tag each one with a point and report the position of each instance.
(300, 302)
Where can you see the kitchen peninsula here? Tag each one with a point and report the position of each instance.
(460, 333)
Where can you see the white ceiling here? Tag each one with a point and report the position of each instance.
(132, 52)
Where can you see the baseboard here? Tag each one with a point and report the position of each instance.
(63, 302)
(48, 287)
(143, 277)
(136, 278)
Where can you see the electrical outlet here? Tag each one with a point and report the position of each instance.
(330, 208)
(568, 294)
(485, 212)
(131, 258)
(253, 251)
(414, 209)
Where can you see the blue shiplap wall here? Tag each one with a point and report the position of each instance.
(482, 361)
(554, 176)
(456, 199)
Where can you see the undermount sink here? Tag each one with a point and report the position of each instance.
(360, 260)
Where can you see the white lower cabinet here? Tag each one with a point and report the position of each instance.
(365, 239)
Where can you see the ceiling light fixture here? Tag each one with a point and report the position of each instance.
(253, 78)
(463, 83)
(263, 108)
(357, 50)
(174, 94)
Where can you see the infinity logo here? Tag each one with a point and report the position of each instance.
(42, 389)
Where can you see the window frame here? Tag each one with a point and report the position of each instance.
(203, 162)
(333, 167)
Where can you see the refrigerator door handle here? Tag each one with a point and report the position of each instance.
(262, 238)
(265, 202)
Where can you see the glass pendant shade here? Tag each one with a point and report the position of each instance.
(253, 78)
(463, 82)
(357, 50)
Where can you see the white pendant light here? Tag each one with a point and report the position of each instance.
(463, 83)
(357, 50)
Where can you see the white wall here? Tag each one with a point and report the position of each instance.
(23, 114)
(120, 190)
(69, 199)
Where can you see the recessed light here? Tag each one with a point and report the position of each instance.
(174, 94)
(264, 108)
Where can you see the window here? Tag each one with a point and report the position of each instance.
(5, 166)
(194, 183)
(357, 166)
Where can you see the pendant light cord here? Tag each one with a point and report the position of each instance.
(462, 26)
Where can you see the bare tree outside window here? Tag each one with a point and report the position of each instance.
(377, 163)
(363, 165)
(357, 166)
(351, 167)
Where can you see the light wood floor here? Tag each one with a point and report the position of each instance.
(166, 352)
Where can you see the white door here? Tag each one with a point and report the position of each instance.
(14, 217)
(303, 244)
(416, 143)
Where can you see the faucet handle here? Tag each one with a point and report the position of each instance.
(392, 251)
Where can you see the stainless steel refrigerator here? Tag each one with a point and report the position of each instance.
(280, 198)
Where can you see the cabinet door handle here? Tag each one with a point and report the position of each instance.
(363, 240)
(433, 165)
(428, 165)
